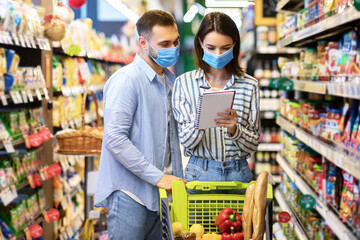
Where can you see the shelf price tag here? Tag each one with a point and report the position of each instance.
(18, 96)
(13, 97)
(307, 202)
(46, 93)
(22, 41)
(24, 96)
(38, 94)
(30, 96)
(3, 99)
(8, 146)
(7, 195)
(27, 42)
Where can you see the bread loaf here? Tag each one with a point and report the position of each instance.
(258, 217)
(248, 211)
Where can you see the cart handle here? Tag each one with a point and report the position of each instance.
(208, 186)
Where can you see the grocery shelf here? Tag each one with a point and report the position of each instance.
(289, 5)
(264, 82)
(75, 90)
(340, 89)
(333, 221)
(14, 143)
(14, 39)
(327, 27)
(343, 161)
(267, 114)
(38, 220)
(277, 50)
(300, 231)
(269, 147)
(278, 232)
(89, 56)
(310, 86)
(22, 185)
(277, 178)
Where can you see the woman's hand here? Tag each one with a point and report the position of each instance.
(230, 122)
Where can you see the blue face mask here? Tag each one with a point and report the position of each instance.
(166, 57)
(218, 61)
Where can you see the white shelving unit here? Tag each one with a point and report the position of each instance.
(340, 89)
(293, 222)
(277, 50)
(333, 221)
(343, 161)
(269, 147)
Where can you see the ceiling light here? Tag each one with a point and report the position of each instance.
(191, 13)
(229, 3)
(125, 10)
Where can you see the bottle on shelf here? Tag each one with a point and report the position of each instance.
(267, 70)
(259, 72)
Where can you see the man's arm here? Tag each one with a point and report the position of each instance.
(121, 101)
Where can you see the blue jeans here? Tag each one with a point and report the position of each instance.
(200, 169)
(128, 220)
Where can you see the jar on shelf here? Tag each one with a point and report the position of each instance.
(262, 36)
(294, 111)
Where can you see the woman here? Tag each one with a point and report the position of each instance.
(221, 153)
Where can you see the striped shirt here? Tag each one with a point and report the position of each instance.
(215, 143)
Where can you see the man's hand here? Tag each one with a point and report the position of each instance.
(166, 181)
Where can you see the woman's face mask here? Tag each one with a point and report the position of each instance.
(218, 61)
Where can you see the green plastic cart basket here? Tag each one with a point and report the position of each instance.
(203, 208)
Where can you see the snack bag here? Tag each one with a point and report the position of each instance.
(347, 196)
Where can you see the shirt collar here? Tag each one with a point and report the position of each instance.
(149, 72)
(144, 66)
(199, 74)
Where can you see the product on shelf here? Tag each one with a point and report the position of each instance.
(334, 61)
(23, 210)
(334, 186)
(315, 226)
(313, 12)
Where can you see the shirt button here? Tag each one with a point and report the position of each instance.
(222, 147)
(220, 129)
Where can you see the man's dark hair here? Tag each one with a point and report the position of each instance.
(151, 18)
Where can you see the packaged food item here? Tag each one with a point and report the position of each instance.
(333, 56)
(347, 196)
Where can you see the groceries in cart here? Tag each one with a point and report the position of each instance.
(235, 219)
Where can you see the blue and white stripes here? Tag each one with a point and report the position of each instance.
(215, 143)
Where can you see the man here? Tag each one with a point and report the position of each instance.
(140, 151)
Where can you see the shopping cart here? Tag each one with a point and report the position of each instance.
(203, 208)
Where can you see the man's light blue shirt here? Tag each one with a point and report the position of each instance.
(135, 134)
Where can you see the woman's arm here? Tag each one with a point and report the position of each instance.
(185, 116)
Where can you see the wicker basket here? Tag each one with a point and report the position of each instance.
(83, 141)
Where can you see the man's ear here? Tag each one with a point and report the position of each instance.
(142, 42)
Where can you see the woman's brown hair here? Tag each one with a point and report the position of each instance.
(223, 24)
